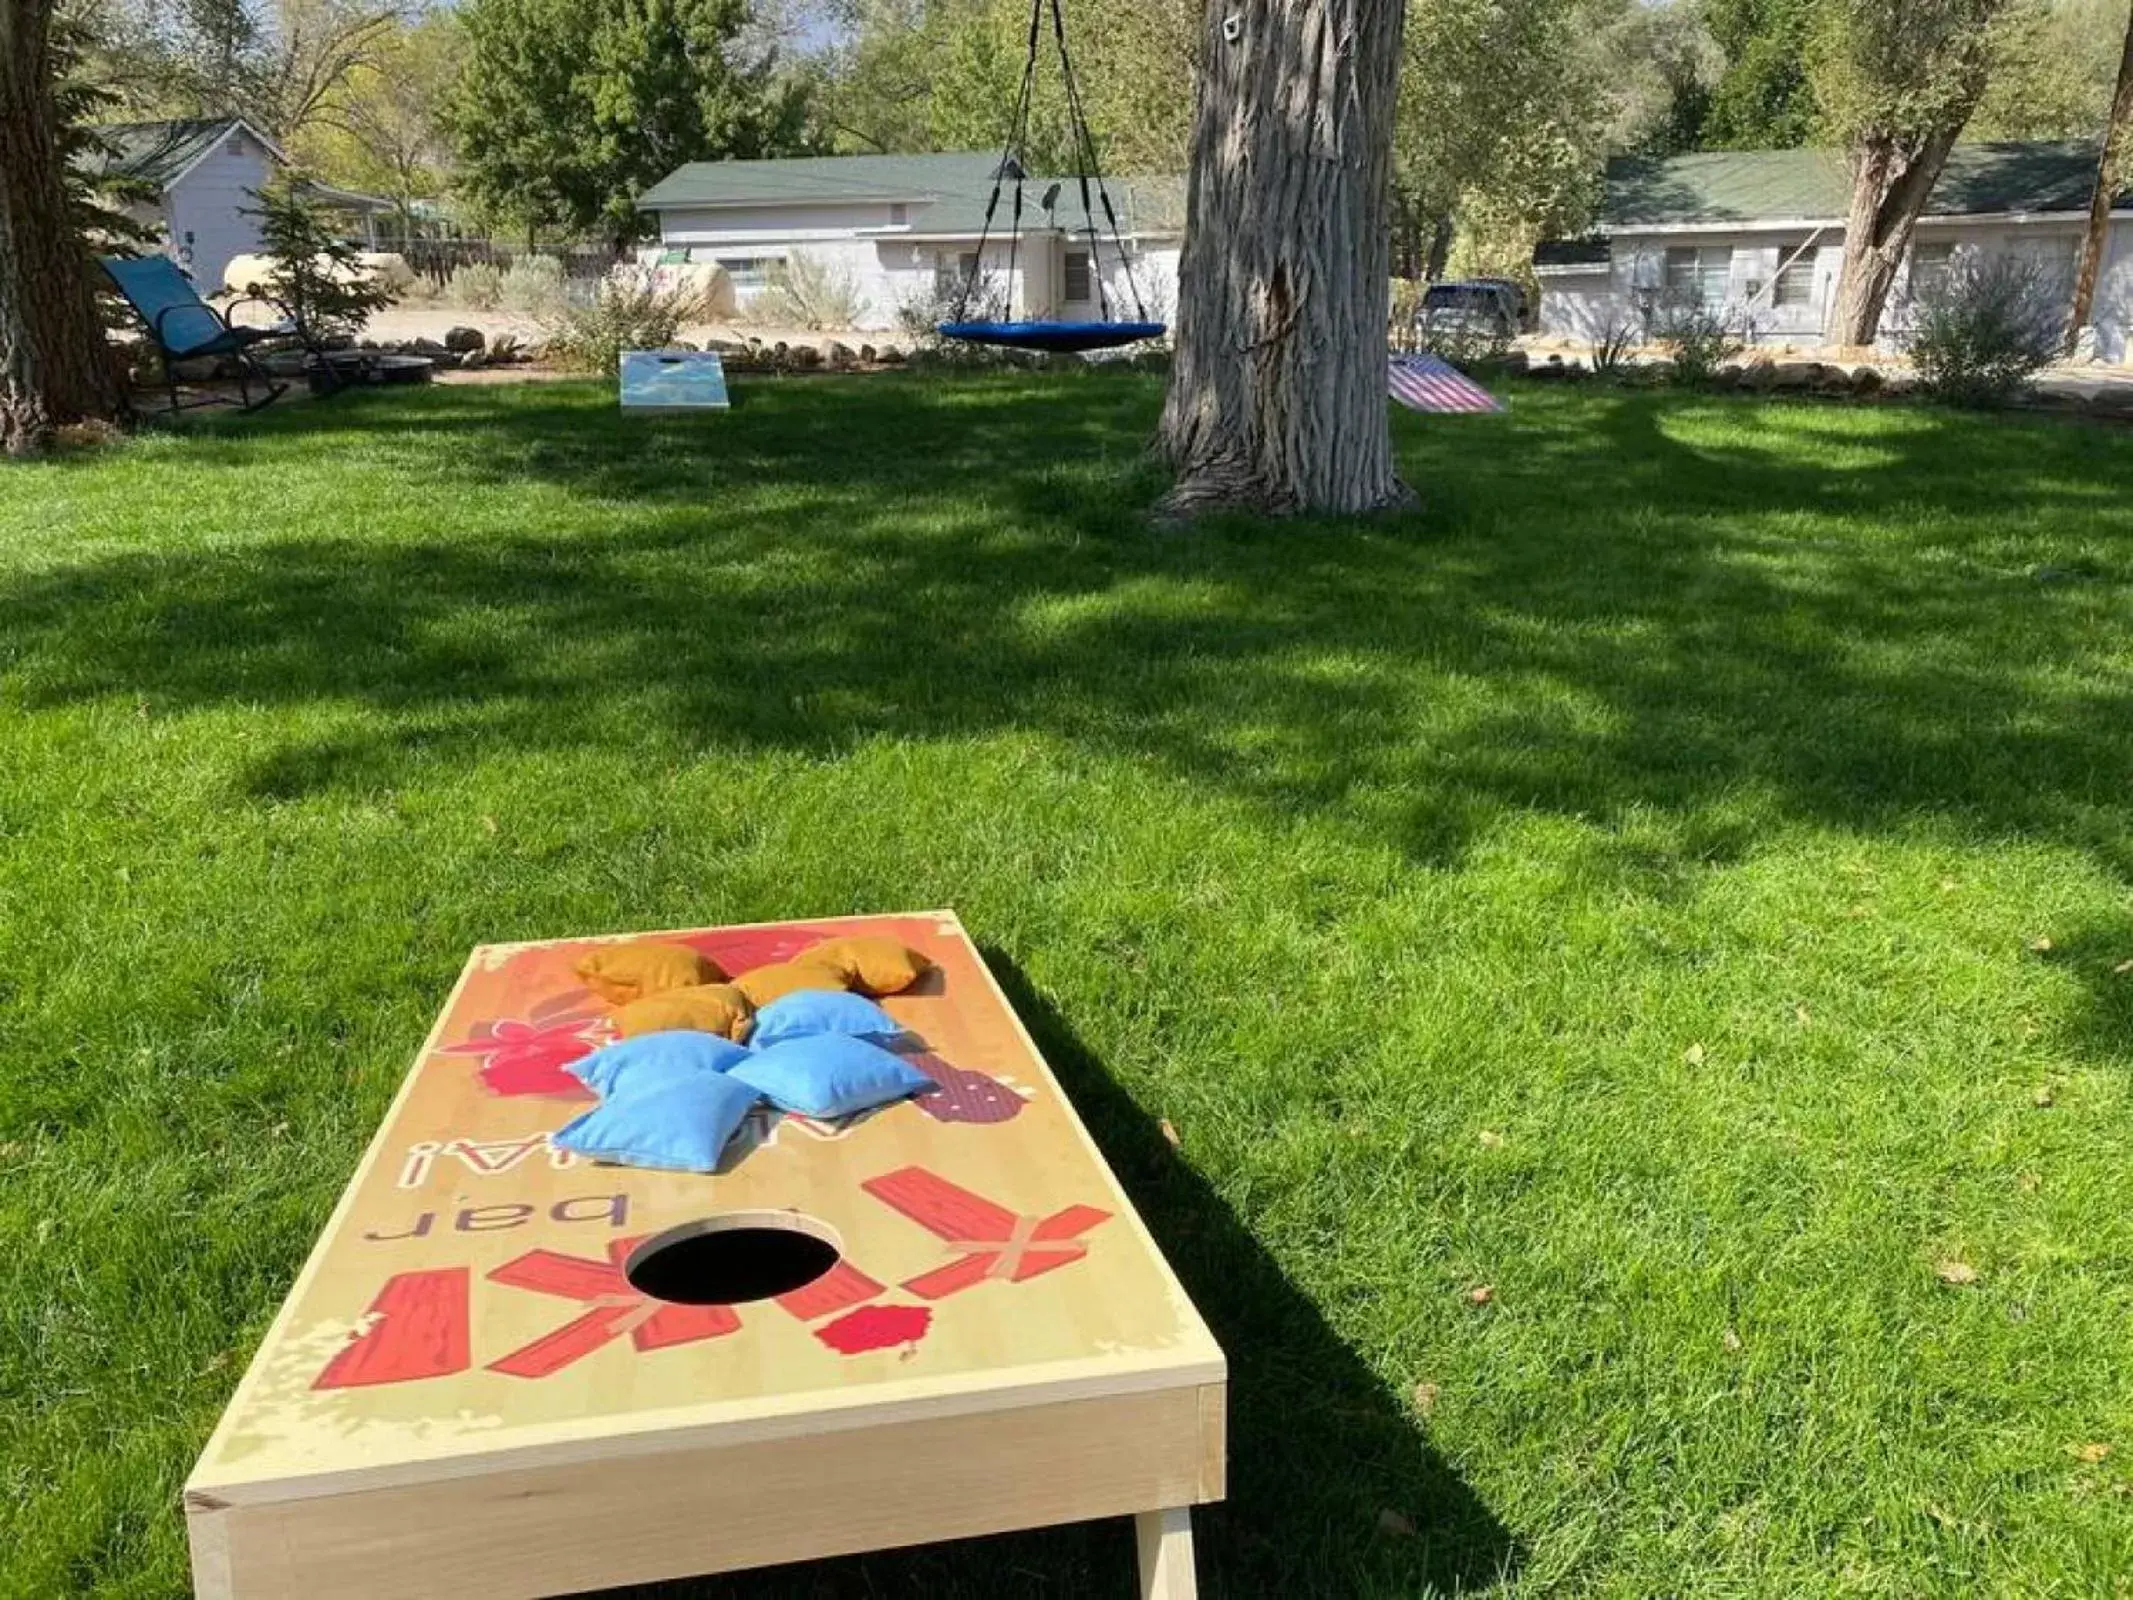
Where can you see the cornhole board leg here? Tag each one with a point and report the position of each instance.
(1166, 1554)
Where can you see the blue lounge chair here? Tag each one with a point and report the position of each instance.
(185, 327)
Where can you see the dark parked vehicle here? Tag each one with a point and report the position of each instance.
(1489, 307)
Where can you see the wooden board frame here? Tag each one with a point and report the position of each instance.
(1030, 1396)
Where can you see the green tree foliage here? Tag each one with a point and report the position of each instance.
(565, 111)
(2054, 71)
(913, 75)
(1763, 99)
(276, 63)
(382, 130)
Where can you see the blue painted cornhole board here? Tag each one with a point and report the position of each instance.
(673, 380)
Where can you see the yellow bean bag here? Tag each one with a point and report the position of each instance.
(627, 972)
(717, 1008)
(871, 963)
(765, 984)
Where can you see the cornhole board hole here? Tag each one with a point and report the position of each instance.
(467, 1393)
(673, 380)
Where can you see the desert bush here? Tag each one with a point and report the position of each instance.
(921, 313)
(1984, 334)
(1462, 341)
(479, 286)
(809, 291)
(1612, 345)
(534, 286)
(628, 310)
(1698, 339)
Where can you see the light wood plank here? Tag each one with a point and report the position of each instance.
(512, 1535)
(1165, 1539)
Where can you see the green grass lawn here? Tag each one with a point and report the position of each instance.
(1678, 878)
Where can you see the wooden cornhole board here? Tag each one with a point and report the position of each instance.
(464, 1396)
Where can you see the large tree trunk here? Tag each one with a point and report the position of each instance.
(1277, 397)
(2108, 170)
(1892, 179)
(54, 365)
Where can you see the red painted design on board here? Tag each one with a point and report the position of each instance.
(522, 1058)
(964, 1095)
(417, 1329)
(876, 1328)
(615, 1309)
(843, 1285)
(989, 1240)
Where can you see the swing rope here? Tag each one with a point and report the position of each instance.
(1014, 158)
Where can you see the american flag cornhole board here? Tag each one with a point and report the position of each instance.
(464, 1395)
(1430, 383)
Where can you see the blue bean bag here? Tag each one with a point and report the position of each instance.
(828, 1075)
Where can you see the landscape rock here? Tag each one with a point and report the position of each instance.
(840, 354)
(424, 347)
(805, 355)
(1515, 361)
(464, 339)
(1796, 375)
(1759, 375)
(868, 354)
(891, 356)
(1868, 380)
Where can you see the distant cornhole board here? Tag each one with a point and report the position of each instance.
(507, 1371)
(673, 380)
(1430, 383)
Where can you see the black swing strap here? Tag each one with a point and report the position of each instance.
(1086, 164)
(1011, 155)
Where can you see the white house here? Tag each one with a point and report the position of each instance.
(1759, 235)
(903, 232)
(201, 178)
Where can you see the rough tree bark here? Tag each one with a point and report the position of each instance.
(1277, 393)
(2108, 171)
(1892, 178)
(54, 367)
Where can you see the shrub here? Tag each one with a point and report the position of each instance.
(809, 291)
(1982, 335)
(478, 286)
(1698, 339)
(1612, 344)
(628, 310)
(921, 313)
(1462, 341)
(534, 286)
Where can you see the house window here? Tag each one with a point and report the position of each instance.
(899, 213)
(1702, 276)
(1079, 287)
(750, 272)
(951, 272)
(1930, 266)
(1795, 290)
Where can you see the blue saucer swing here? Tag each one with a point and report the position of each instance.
(1107, 332)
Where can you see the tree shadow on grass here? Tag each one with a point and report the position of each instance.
(1611, 604)
(1319, 1446)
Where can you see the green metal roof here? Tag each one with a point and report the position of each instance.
(798, 179)
(948, 193)
(1797, 185)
